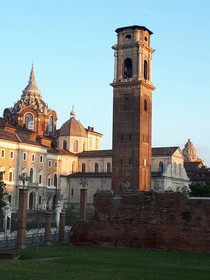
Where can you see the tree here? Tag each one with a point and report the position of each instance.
(200, 190)
(2, 191)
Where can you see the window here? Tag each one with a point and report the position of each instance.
(2, 153)
(51, 124)
(83, 168)
(10, 176)
(49, 163)
(40, 178)
(64, 145)
(24, 156)
(33, 157)
(75, 146)
(130, 136)
(31, 175)
(29, 121)
(127, 37)
(40, 199)
(127, 68)
(108, 167)
(55, 180)
(56, 164)
(145, 105)
(72, 192)
(96, 167)
(11, 155)
(31, 201)
(49, 181)
(130, 161)
(41, 159)
(145, 70)
(161, 167)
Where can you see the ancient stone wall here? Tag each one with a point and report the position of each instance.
(147, 220)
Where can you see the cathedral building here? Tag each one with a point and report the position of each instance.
(55, 162)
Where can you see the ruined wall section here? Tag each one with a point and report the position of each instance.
(147, 220)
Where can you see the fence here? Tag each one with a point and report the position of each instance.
(35, 231)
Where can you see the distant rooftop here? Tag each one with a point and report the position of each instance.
(133, 27)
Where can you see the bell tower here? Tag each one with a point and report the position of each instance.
(132, 109)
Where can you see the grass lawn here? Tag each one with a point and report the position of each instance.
(65, 262)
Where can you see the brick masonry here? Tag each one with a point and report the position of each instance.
(147, 220)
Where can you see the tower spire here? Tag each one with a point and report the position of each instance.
(32, 76)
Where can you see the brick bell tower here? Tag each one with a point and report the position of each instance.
(132, 109)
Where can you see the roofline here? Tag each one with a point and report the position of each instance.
(133, 27)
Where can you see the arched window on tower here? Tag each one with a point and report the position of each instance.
(161, 167)
(64, 145)
(127, 68)
(96, 167)
(51, 124)
(145, 105)
(145, 70)
(29, 121)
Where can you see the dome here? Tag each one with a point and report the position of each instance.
(73, 128)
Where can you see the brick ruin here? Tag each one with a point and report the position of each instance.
(147, 220)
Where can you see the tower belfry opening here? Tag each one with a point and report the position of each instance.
(128, 68)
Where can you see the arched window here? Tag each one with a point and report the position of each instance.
(108, 167)
(96, 167)
(29, 121)
(49, 181)
(75, 146)
(161, 167)
(31, 175)
(128, 68)
(55, 180)
(51, 124)
(83, 168)
(145, 70)
(64, 145)
(145, 105)
(31, 201)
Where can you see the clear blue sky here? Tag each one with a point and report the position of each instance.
(70, 45)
